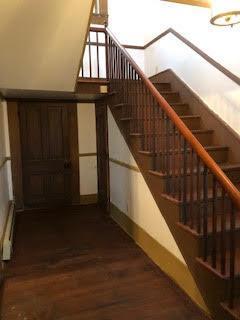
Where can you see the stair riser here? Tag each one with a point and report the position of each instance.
(171, 97)
(220, 156)
(182, 110)
(163, 86)
(158, 163)
(204, 138)
(192, 123)
(218, 243)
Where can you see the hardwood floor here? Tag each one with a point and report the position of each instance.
(77, 264)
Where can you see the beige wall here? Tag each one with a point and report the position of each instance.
(130, 194)
(87, 148)
(5, 170)
(42, 42)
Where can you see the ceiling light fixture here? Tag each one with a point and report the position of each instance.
(225, 12)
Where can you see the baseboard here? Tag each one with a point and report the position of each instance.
(88, 199)
(10, 204)
(167, 262)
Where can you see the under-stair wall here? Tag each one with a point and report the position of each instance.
(5, 170)
(135, 210)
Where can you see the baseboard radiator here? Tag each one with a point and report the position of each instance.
(8, 235)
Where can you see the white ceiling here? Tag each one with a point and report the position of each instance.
(42, 43)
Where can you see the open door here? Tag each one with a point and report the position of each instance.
(103, 155)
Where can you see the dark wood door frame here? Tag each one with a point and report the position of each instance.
(103, 154)
(16, 151)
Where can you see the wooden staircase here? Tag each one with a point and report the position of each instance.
(193, 181)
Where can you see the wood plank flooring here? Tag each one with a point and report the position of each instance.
(77, 264)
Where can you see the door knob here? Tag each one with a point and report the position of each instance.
(67, 165)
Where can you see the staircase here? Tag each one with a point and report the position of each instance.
(194, 183)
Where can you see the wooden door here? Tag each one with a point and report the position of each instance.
(47, 153)
(103, 156)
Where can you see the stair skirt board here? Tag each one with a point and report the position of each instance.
(165, 260)
(88, 199)
(7, 245)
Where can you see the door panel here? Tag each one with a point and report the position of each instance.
(45, 137)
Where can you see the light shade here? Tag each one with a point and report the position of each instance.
(225, 12)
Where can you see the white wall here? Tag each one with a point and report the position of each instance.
(153, 17)
(87, 144)
(130, 194)
(220, 93)
(42, 43)
(5, 171)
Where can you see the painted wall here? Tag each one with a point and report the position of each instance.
(87, 148)
(5, 171)
(219, 92)
(43, 43)
(130, 194)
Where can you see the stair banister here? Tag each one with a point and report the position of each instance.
(231, 190)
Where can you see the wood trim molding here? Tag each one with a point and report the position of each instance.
(164, 259)
(198, 3)
(205, 56)
(88, 199)
(16, 156)
(124, 165)
(5, 160)
(83, 155)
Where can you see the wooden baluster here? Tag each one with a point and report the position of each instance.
(168, 152)
(185, 177)
(107, 55)
(158, 137)
(232, 256)
(97, 43)
(174, 155)
(135, 101)
(180, 171)
(154, 137)
(191, 209)
(205, 212)
(90, 54)
(198, 196)
(214, 223)
(223, 235)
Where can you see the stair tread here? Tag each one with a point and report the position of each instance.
(194, 131)
(217, 270)
(235, 312)
(168, 92)
(119, 105)
(126, 119)
(218, 223)
(179, 104)
(211, 147)
(189, 116)
(195, 194)
(224, 166)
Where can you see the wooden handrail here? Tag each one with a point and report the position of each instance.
(230, 189)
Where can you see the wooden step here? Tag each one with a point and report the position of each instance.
(204, 136)
(119, 105)
(171, 96)
(162, 86)
(232, 313)
(181, 108)
(218, 153)
(193, 122)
